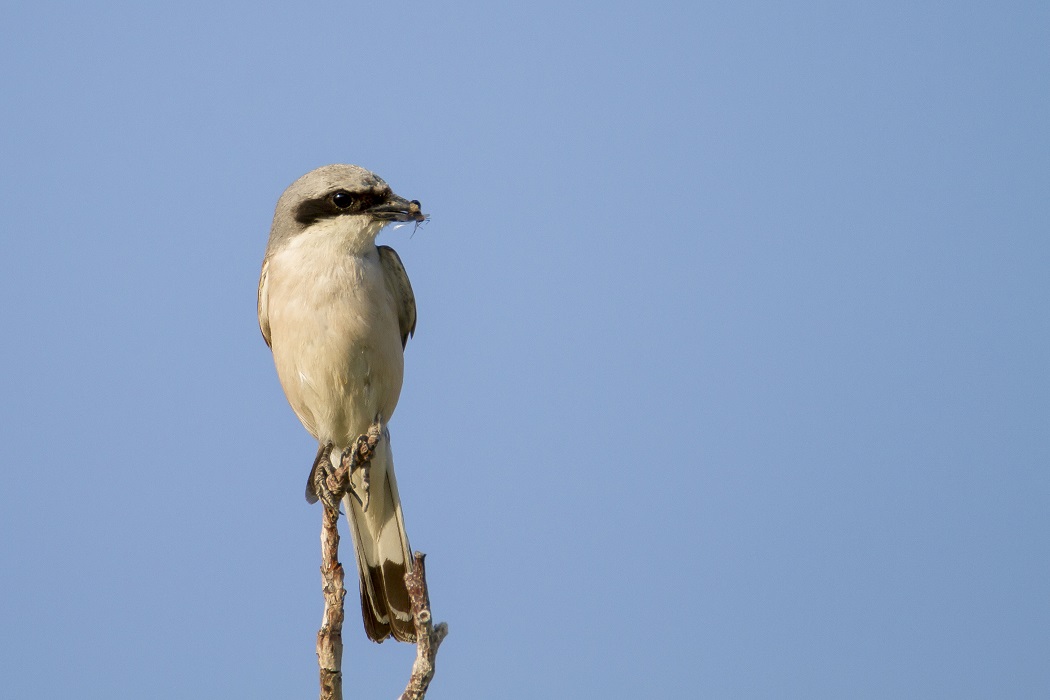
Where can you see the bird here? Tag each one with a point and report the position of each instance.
(337, 311)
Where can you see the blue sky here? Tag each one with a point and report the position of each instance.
(731, 374)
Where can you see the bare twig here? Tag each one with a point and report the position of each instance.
(330, 636)
(334, 483)
(428, 637)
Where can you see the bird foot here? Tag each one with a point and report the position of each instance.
(327, 484)
(332, 483)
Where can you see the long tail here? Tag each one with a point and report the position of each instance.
(383, 554)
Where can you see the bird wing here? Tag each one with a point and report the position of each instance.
(264, 311)
(399, 286)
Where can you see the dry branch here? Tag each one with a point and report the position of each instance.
(428, 637)
(330, 636)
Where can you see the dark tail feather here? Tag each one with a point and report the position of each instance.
(322, 453)
(383, 553)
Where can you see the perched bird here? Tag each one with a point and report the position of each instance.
(337, 311)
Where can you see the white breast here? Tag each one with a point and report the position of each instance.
(334, 334)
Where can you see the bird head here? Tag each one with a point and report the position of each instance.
(343, 200)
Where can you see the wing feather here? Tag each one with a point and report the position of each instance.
(264, 304)
(397, 282)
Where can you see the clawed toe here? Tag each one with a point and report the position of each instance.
(329, 483)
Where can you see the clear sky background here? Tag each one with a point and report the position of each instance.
(731, 379)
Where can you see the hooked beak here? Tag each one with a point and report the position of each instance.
(395, 208)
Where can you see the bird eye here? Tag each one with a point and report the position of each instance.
(342, 199)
